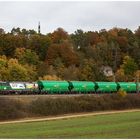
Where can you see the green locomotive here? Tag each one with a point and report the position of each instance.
(18, 87)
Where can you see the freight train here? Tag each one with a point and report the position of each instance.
(67, 87)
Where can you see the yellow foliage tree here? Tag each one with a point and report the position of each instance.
(49, 77)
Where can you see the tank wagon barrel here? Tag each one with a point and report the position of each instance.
(52, 87)
(82, 86)
(129, 87)
(107, 87)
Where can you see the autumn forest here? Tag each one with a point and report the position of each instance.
(26, 55)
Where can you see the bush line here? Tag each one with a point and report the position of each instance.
(13, 109)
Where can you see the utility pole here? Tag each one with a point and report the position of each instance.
(115, 63)
(137, 82)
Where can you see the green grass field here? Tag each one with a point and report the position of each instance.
(124, 125)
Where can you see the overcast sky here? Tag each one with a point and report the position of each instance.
(70, 16)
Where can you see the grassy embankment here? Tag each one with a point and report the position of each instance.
(124, 125)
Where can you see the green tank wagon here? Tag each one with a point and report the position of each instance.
(82, 86)
(128, 86)
(53, 86)
(106, 87)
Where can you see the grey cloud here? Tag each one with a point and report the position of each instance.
(69, 15)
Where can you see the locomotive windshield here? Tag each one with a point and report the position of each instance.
(4, 84)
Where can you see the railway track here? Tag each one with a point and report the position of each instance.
(59, 95)
(48, 95)
(34, 97)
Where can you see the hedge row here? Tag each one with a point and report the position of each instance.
(13, 109)
(83, 104)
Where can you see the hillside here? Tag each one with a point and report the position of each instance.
(26, 55)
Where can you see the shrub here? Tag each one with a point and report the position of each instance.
(122, 93)
(10, 109)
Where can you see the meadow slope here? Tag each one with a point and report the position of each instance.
(120, 125)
